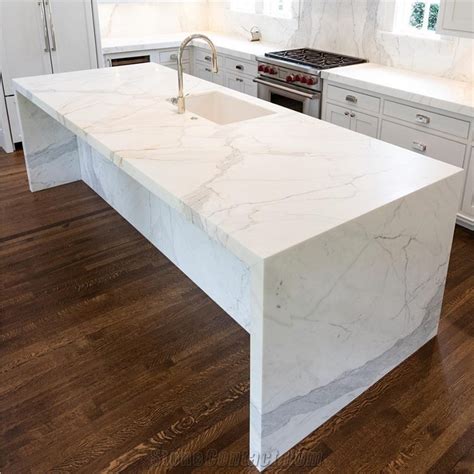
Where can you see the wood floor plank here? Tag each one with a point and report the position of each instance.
(112, 360)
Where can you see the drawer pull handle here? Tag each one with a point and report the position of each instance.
(238, 79)
(422, 119)
(419, 146)
(353, 114)
(174, 57)
(239, 67)
(346, 114)
(351, 98)
(208, 58)
(208, 70)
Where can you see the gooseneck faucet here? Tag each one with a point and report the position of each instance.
(215, 69)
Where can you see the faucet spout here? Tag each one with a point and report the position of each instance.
(215, 67)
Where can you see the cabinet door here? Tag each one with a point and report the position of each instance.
(365, 124)
(72, 38)
(203, 71)
(338, 115)
(456, 18)
(23, 41)
(468, 200)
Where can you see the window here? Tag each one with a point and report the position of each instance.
(275, 8)
(419, 17)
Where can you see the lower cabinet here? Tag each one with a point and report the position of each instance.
(13, 117)
(434, 146)
(241, 83)
(468, 199)
(352, 119)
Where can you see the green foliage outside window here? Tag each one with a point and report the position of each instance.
(433, 18)
(417, 15)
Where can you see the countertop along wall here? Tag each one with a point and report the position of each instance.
(354, 27)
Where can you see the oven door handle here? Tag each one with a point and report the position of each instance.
(306, 95)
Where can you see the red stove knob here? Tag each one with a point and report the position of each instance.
(267, 69)
(290, 78)
(297, 78)
(311, 82)
(273, 71)
(261, 68)
(304, 80)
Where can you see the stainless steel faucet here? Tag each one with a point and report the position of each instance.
(215, 69)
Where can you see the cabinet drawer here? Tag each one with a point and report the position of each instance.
(237, 66)
(172, 56)
(205, 56)
(241, 83)
(354, 99)
(425, 143)
(424, 118)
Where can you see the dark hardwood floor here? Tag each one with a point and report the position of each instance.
(112, 360)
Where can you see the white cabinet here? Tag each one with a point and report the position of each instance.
(467, 209)
(24, 49)
(434, 146)
(13, 119)
(241, 83)
(42, 37)
(71, 33)
(234, 73)
(456, 18)
(352, 119)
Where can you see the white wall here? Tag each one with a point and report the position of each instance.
(355, 27)
(133, 18)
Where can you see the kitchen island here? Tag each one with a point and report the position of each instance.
(329, 247)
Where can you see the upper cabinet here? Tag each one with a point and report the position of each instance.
(456, 18)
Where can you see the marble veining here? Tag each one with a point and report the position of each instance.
(329, 247)
(245, 181)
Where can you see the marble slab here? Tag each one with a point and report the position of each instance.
(329, 247)
(225, 44)
(445, 94)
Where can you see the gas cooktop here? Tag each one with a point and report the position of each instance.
(315, 58)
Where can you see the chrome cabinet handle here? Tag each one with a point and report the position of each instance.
(238, 79)
(239, 67)
(346, 114)
(51, 25)
(419, 146)
(353, 115)
(208, 58)
(45, 27)
(351, 98)
(422, 119)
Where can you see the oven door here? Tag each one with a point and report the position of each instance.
(306, 102)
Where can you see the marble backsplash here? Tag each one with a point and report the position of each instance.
(135, 19)
(354, 27)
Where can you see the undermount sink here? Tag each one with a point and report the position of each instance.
(223, 109)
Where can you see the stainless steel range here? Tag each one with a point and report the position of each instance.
(292, 78)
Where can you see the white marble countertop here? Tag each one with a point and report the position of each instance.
(260, 186)
(446, 94)
(232, 45)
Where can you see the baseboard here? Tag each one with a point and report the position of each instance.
(465, 221)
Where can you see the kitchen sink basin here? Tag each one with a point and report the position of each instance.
(223, 109)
